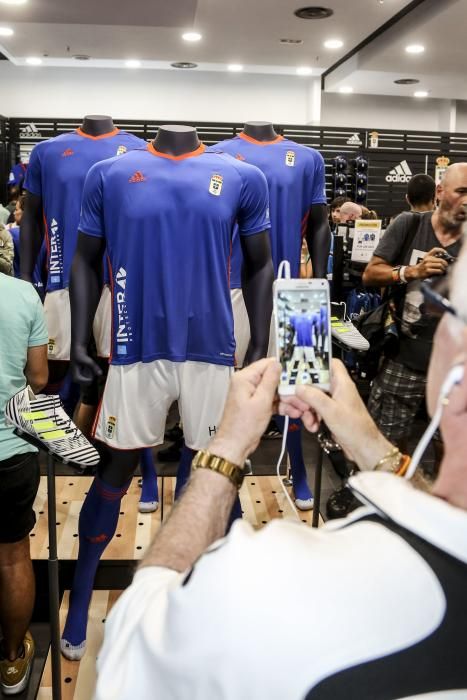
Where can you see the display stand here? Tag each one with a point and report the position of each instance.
(54, 586)
(317, 489)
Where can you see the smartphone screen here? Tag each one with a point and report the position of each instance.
(303, 329)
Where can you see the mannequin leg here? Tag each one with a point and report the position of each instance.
(58, 370)
(149, 499)
(302, 492)
(97, 524)
(184, 469)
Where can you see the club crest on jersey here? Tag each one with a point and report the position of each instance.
(290, 159)
(121, 150)
(215, 186)
(110, 428)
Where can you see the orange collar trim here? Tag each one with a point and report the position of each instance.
(245, 137)
(80, 132)
(192, 154)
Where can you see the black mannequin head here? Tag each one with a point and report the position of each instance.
(176, 140)
(97, 124)
(260, 131)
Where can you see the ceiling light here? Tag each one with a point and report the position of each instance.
(191, 36)
(415, 48)
(304, 70)
(81, 57)
(13, 2)
(34, 61)
(313, 12)
(6, 31)
(184, 64)
(333, 44)
(420, 93)
(346, 89)
(406, 81)
(235, 67)
(133, 63)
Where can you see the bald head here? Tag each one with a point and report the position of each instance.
(349, 212)
(452, 197)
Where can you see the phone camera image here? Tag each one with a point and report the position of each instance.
(303, 337)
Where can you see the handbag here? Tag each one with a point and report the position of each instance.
(381, 326)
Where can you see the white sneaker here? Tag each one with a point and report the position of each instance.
(345, 333)
(148, 506)
(42, 421)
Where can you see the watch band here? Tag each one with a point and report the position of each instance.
(206, 460)
(402, 276)
(396, 274)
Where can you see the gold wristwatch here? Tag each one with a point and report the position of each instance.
(205, 460)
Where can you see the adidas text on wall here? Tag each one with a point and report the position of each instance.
(400, 174)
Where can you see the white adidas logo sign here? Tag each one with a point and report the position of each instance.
(354, 140)
(401, 173)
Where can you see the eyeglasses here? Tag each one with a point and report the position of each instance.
(435, 292)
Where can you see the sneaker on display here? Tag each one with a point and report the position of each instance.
(14, 675)
(272, 432)
(344, 332)
(42, 421)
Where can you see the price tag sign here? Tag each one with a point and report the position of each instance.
(366, 238)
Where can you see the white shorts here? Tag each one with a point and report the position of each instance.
(58, 319)
(241, 326)
(102, 326)
(242, 329)
(137, 397)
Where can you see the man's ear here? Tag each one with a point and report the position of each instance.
(408, 200)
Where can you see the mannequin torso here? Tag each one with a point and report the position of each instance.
(176, 140)
(97, 125)
(260, 131)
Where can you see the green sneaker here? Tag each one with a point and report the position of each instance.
(14, 675)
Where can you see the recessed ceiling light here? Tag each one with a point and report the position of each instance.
(13, 2)
(34, 61)
(346, 89)
(420, 93)
(407, 81)
(415, 48)
(291, 41)
(191, 36)
(6, 31)
(184, 64)
(81, 57)
(313, 12)
(133, 63)
(333, 44)
(235, 67)
(304, 70)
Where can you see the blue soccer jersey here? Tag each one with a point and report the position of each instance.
(167, 224)
(296, 181)
(56, 173)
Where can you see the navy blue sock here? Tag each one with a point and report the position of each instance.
(69, 394)
(184, 469)
(97, 524)
(297, 465)
(149, 491)
(236, 514)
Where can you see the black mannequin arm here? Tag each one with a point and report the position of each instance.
(257, 279)
(85, 290)
(32, 234)
(318, 238)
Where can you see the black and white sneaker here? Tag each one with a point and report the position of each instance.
(42, 421)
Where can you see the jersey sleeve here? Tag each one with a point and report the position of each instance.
(318, 181)
(38, 334)
(253, 216)
(92, 218)
(33, 180)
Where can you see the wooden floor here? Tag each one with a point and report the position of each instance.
(261, 497)
(262, 500)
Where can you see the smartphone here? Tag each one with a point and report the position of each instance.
(303, 333)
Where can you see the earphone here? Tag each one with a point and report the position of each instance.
(454, 377)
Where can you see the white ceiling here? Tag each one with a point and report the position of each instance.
(249, 32)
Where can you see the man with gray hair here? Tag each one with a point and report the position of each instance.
(350, 212)
(415, 247)
(375, 603)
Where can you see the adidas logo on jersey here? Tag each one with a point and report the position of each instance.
(354, 140)
(240, 157)
(400, 174)
(137, 177)
(68, 152)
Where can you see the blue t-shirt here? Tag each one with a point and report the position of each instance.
(17, 174)
(296, 181)
(56, 173)
(167, 224)
(303, 324)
